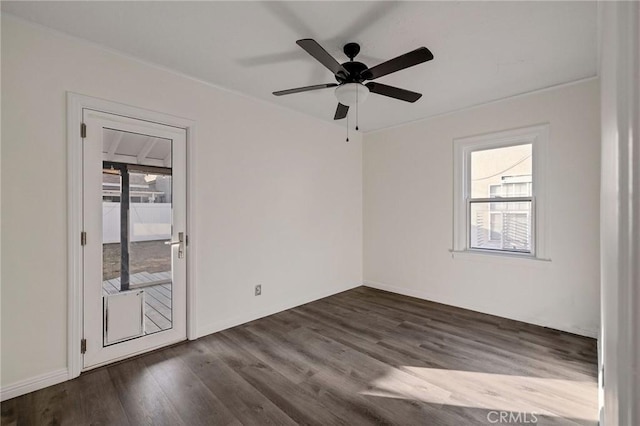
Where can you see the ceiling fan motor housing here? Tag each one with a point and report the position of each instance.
(355, 70)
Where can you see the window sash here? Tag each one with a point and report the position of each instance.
(531, 199)
(500, 200)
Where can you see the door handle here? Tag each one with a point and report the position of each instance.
(180, 244)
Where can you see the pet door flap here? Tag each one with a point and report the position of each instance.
(123, 316)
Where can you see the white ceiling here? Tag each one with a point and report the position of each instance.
(483, 50)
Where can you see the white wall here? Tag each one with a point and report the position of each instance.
(279, 194)
(408, 213)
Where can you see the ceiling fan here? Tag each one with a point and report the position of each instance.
(350, 89)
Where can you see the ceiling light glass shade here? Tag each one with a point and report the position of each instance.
(346, 93)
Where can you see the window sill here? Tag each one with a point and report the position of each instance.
(504, 258)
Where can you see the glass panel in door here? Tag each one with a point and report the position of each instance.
(137, 227)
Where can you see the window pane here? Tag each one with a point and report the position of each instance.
(501, 226)
(501, 172)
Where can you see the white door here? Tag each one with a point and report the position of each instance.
(134, 219)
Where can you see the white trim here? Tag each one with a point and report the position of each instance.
(487, 103)
(512, 258)
(33, 384)
(593, 333)
(538, 136)
(75, 105)
(74, 228)
(270, 310)
(192, 267)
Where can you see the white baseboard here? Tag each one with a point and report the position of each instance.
(34, 383)
(425, 296)
(270, 310)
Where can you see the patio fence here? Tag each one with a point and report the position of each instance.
(149, 221)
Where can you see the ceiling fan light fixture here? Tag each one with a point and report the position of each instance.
(346, 93)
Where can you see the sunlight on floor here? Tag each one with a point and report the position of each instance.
(490, 391)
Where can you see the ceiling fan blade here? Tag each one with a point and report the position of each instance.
(415, 57)
(314, 49)
(341, 112)
(304, 89)
(393, 92)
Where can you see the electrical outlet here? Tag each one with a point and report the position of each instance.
(258, 290)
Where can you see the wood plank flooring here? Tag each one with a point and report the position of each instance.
(360, 357)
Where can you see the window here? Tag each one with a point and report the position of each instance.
(499, 192)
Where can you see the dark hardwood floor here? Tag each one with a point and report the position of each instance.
(360, 357)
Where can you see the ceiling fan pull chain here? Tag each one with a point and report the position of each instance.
(357, 90)
(347, 127)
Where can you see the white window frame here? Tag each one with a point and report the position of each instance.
(538, 137)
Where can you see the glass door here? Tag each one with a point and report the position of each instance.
(135, 273)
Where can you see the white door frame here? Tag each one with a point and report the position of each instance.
(75, 105)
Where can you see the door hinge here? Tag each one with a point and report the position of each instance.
(83, 238)
(83, 130)
(83, 346)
